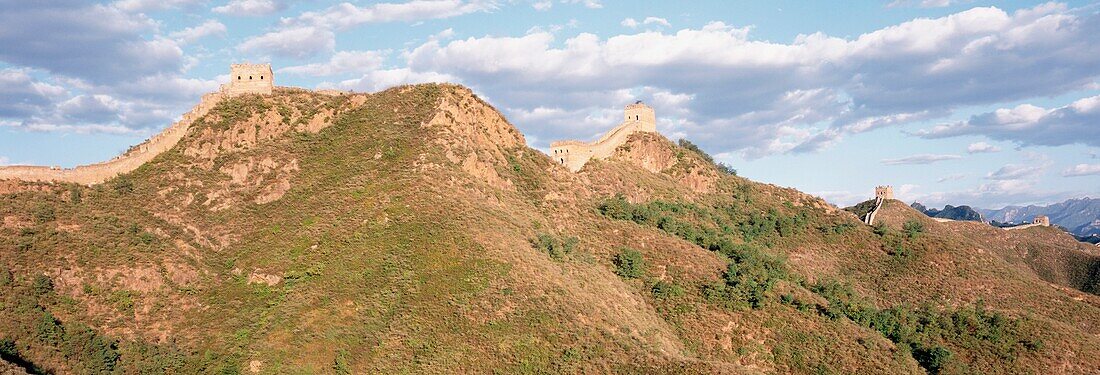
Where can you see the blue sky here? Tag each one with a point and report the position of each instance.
(952, 102)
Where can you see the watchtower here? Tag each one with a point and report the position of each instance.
(1041, 220)
(641, 113)
(884, 192)
(250, 79)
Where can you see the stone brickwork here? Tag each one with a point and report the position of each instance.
(884, 192)
(249, 79)
(637, 117)
(1041, 220)
(96, 173)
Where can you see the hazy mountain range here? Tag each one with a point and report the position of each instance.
(1081, 216)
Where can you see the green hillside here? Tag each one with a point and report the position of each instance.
(413, 231)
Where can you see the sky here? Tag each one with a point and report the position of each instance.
(950, 101)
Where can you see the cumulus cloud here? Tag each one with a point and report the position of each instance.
(297, 42)
(250, 8)
(382, 79)
(22, 95)
(896, 75)
(205, 29)
(1082, 170)
(1027, 124)
(340, 63)
(920, 159)
(347, 15)
(981, 147)
(96, 43)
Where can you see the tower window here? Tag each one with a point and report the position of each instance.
(238, 78)
(249, 78)
(637, 117)
(261, 78)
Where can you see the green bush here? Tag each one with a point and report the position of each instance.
(342, 364)
(663, 290)
(6, 277)
(44, 213)
(913, 228)
(629, 263)
(42, 285)
(558, 248)
(748, 278)
(122, 185)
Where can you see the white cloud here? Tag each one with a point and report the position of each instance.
(1016, 172)
(383, 79)
(630, 22)
(981, 147)
(1082, 170)
(542, 5)
(340, 63)
(921, 3)
(250, 7)
(205, 29)
(656, 21)
(591, 4)
(148, 5)
(920, 159)
(896, 75)
(347, 15)
(1027, 124)
(951, 177)
(297, 42)
(96, 43)
(22, 95)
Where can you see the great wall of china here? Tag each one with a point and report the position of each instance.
(637, 117)
(245, 79)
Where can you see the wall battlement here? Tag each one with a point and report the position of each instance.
(574, 154)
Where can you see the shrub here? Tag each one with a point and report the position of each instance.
(748, 278)
(42, 285)
(557, 248)
(913, 228)
(629, 264)
(123, 185)
(342, 364)
(75, 194)
(663, 290)
(44, 213)
(6, 277)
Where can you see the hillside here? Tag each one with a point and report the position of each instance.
(412, 230)
(1080, 216)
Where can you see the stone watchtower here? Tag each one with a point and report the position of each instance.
(1041, 220)
(884, 192)
(250, 79)
(641, 113)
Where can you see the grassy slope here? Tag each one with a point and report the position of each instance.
(404, 246)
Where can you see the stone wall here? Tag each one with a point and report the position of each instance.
(637, 117)
(249, 79)
(137, 156)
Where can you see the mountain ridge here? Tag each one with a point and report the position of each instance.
(412, 230)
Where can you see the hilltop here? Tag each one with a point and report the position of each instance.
(412, 230)
(1079, 216)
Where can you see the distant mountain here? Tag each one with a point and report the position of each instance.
(1080, 216)
(963, 213)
